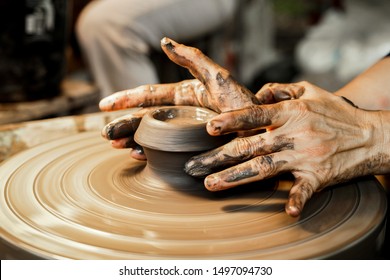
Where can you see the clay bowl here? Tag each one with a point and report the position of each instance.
(170, 136)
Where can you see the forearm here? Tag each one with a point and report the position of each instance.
(371, 89)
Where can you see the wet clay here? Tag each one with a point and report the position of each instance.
(77, 198)
(170, 136)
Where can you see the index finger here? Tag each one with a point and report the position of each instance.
(254, 117)
(224, 90)
(153, 95)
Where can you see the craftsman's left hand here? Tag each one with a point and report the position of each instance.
(322, 139)
(213, 88)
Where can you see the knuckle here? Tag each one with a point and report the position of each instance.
(258, 116)
(304, 83)
(242, 148)
(298, 105)
(306, 190)
(265, 164)
(266, 86)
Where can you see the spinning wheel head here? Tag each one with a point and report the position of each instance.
(78, 198)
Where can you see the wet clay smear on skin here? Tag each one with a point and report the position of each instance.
(122, 128)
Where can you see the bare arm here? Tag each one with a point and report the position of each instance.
(371, 89)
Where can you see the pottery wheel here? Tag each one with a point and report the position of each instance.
(79, 198)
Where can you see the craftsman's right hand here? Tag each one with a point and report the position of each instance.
(320, 138)
(214, 88)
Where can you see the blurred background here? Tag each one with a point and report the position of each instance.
(44, 72)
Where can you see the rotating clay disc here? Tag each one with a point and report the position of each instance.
(77, 198)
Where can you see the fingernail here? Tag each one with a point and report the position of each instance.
(167, 43)
(196, 169)
(117, 130)
(212, 183)
(138, 153)
(139, 150)
(189, 167)
(164, 41)
(293, 211)
(281, 95)
(108, 132)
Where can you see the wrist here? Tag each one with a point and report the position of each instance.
(378, 156)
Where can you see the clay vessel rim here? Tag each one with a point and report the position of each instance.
(200, 122)
(175, 136)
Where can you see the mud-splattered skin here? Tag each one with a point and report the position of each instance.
(224, 92)
(320, 138)
(272, 92)
(238, 150)
(213, 88)
(121, 128)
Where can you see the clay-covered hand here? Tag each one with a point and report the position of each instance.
(322, 139)
(213, 88)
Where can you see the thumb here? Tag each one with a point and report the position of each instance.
(300, 193)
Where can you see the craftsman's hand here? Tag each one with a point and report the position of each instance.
(213, 88)
(322, 139)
